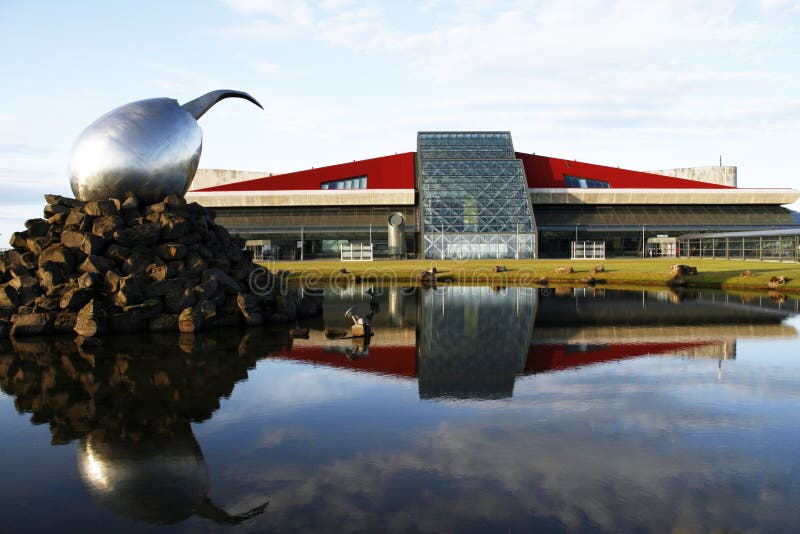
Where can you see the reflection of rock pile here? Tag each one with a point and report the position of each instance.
(120, 389)
(117, 266)
(132, 413)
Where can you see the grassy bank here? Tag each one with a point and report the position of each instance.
(618, 272)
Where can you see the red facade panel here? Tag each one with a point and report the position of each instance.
(397, 361)
(388, 172)
(547, 358)
(544, 172)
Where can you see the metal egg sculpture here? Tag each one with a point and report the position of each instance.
(150, 149)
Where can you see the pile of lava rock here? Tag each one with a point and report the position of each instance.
(115, 266)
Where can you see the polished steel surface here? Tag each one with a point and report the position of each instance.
(200, 105)
(155, 480)
(397, 234)
(149, 148)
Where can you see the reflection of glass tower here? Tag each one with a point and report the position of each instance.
(474, 197)
(473, 341)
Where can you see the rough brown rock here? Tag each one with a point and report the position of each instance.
(248, 305)
(64, 201)
(96, 264)
(167, 322)
(176, 300)
(46, 303)
(59, 254)
(75, 298)
(8, 296)
(131, 203)
(72, 239)
(98, 208)
(194, 263)
(228, 284)
(65, 322)
(38, 244)
(142, 235)
(104, 227)
(52, 209)
(683, 270)
(112, 279)
(117, 253)
(149, 308)
(131, 291)
(37, 227)
(206, 290)
(91, 281)
(162, 287)
(171, 251)
(27, 288)
(92, 320)
(78, 220)
(50, 275)
(137, 262)
(56, 222)
(32, 324)
(173, 227)
(190, 320)
(19, 240)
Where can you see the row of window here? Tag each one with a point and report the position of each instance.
(585, 183)
(356, 182)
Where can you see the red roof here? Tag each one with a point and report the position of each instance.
(545, 172)
(388, 172)
(397, 172)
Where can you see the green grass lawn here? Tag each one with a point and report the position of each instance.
(645, 272)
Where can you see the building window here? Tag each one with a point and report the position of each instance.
(584, 183)
(356, 182)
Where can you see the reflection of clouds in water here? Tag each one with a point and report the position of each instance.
(279, 386)
(279, 436)
(501, 471)
(570, 451)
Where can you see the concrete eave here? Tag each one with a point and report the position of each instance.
(663, 196)
(259, 199)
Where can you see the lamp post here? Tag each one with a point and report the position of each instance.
(644, 254)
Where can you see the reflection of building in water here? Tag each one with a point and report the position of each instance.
(466, 342)
(132, 413)
(472, 341)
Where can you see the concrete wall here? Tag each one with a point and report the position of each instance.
(211, 177)
(663, 196)
(712, 175)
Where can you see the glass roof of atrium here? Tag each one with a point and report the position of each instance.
(474, 197)
(465, 145)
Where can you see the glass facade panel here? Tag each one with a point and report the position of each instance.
(584, 183)
(474, 199)
(775, 247)
(356, 182)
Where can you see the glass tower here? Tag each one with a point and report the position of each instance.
(474, 197)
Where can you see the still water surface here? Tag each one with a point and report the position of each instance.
(472, 409)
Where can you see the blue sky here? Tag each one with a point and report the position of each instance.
(642, 85)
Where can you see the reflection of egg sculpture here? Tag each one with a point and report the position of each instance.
(158, 480)
(150, 149)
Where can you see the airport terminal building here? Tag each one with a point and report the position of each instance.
(471, 195)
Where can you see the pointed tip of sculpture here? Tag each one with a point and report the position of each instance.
(200, 105)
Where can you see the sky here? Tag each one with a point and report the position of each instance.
(640, 85)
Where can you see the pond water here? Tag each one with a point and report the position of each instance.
(472, 409)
